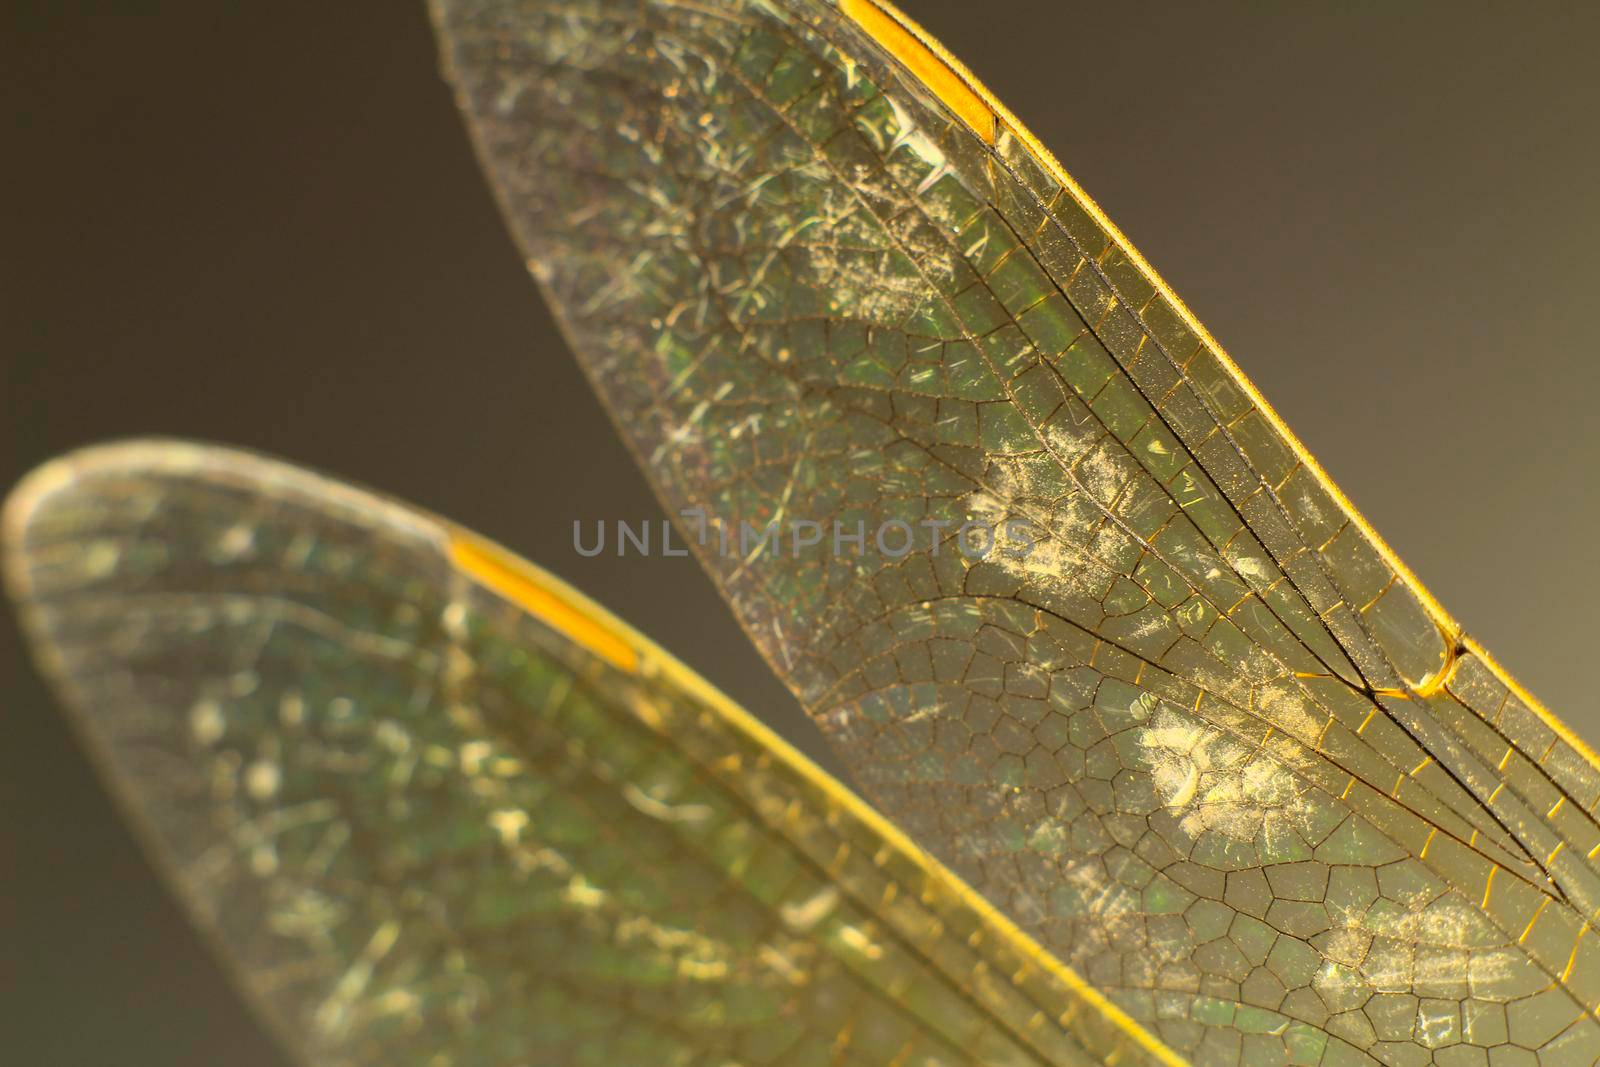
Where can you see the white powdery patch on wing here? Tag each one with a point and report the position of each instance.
(1428, 945)
(1213, 782)
(1110, 916)
(1290, 710)
(1100, 896)
(1017, 528)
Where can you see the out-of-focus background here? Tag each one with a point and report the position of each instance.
(263, 225)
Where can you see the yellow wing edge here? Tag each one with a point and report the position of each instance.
(942, 74)
(573, 614)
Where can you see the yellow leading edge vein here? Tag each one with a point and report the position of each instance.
(949, 79)
(568, 611)
(557, 605)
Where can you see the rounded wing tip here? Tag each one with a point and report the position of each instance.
(79, 476)
(28, 499)
(61, 472)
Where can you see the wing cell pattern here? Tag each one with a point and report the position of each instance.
(1205, 739)
(426, 828)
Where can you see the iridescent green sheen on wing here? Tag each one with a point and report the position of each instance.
(1207, 741)
(426, 828)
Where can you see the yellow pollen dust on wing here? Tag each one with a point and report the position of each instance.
(502, 573)
(932, 68)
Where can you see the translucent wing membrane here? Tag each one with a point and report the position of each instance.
(435, 808)
(1202, 735)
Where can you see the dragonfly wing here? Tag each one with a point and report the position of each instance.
(1187, 720)
(436, 808)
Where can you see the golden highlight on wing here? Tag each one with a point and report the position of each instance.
(436, 813)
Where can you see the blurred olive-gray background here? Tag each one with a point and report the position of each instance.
(263, 225)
